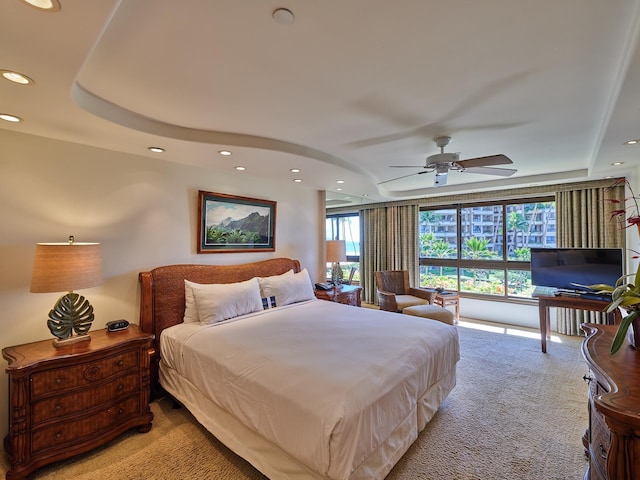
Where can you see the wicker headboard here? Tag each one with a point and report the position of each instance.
(162, 291)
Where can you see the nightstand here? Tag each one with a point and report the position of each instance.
(347, 294)
(65, 401)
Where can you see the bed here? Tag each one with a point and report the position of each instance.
(301, 388)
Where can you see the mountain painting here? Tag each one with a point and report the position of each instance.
(231, 223)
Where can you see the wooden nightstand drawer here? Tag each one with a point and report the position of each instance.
(600, 440)
(61, 433)
(86, 399)
(85, 373)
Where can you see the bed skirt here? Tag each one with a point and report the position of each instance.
(276, 463)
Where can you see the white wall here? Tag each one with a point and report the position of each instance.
(503, 312)
(142, 210)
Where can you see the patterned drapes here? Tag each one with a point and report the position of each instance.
(389, 242)
(583, 219)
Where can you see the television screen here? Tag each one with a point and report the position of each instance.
(563, 268)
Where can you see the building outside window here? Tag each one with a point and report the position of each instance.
(483, 249)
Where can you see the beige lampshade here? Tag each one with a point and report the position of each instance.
(65, 267)
(336, 251)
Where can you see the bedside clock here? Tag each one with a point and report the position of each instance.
(116, 325)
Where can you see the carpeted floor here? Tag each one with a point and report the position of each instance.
(515, 413)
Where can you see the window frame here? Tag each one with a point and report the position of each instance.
(503, 263)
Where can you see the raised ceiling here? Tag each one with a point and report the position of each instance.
(343, 92)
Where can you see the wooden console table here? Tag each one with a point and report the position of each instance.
(577, 303)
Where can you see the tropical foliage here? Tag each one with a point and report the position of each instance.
(252, 229)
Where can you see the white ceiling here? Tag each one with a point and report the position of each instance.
(346, 90)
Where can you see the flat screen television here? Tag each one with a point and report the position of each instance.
(563, 268)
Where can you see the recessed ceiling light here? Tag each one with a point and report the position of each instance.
(295, 170)
(617, 164)
(10, 118)
(226, 153)
(283, 16)
(16, 77)
(365, 194)
(338, 189)
(240, 168)
(297, 180)
(46, 5)
(156, 149)
(339, 181)
(632, 142)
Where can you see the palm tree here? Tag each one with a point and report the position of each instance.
(475, 249)
(516, 223)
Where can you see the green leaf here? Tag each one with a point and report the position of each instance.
(622, 331)
(599, 287)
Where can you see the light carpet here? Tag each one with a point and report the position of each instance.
(515, 413)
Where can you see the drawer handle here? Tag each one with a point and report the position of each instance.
(120, 362)
(120, 411)
(57, 408)
(58, 381)
(58, 435)
(120, 387)
(603, 452)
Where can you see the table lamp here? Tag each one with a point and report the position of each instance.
(60, 267)
(336, 253)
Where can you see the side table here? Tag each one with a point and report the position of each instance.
(449, 299)
(69, 400)
(347, 294)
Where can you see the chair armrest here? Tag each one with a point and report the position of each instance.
(422, 293)
(387, 301)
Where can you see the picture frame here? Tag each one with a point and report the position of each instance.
(232, 223)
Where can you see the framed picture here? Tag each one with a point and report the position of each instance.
(229, 223)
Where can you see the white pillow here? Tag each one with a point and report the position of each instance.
(190, 310)
(217, 302)
(287, 288)
(270, 279)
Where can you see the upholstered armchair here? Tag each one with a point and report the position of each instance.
(395, 294)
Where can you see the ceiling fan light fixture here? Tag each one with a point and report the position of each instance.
(441, 170)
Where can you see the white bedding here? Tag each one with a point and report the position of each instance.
(327, 383)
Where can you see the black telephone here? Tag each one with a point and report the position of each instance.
(324, 286)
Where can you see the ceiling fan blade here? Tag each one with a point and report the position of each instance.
(407, 166)
(485, 161)
(503, 172)
(404, 176)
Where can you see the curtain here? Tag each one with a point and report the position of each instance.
(389, 242)
(583, 219)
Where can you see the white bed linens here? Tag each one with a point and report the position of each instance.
(326, 382)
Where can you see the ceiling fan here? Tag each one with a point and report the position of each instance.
(441, 163)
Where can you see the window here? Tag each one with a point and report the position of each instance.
(346, 227)
(483, 249)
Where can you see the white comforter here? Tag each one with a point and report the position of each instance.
(326, 382)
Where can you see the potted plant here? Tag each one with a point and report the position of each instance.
(624, 294)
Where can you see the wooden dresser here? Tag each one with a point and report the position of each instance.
(613, 436)
(65, 401)
(347, 294)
